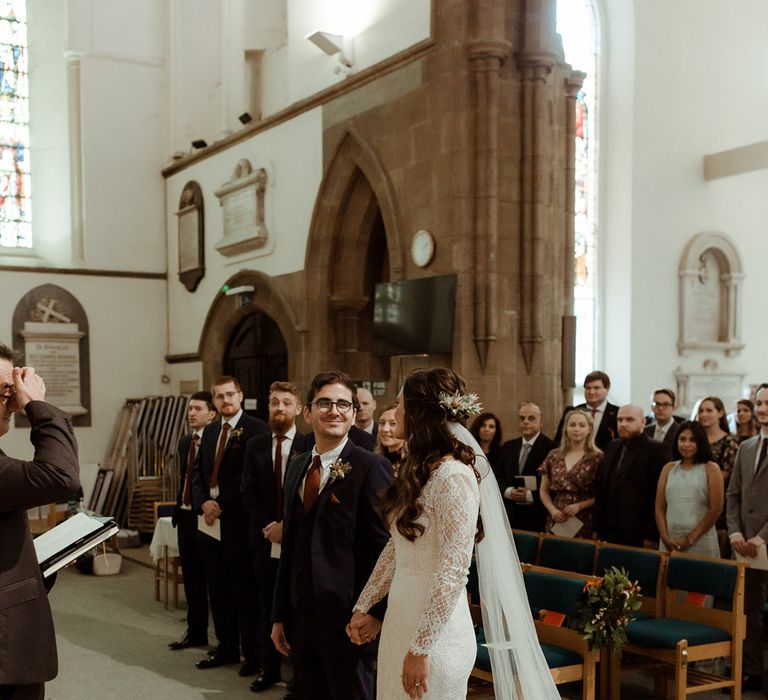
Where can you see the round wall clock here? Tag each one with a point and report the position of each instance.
(422, 248)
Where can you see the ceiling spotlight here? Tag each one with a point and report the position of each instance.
(199, 143)
(245, 118)
(333, 44)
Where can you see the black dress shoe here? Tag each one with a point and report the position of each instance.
(218, 659)
(264, 681)
(186, 641)
(249, 668)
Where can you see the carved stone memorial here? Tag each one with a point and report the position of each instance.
(191, 236)
(51, 329)
(242, 199)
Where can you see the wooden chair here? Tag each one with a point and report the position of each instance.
(690, 632)
(527, 545)
(171, 568)
(567, 554)
(646, 566)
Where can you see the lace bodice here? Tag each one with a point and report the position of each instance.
(440, 557)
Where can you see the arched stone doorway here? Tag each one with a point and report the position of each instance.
(241, 334)
(257, 355)
(354, 243)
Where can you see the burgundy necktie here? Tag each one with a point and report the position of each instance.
(191, 454)
(219, 455)
(312, 484)
(279, 477)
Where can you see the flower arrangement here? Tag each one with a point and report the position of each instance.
(463, 405)
(607, 609)
(338, 470)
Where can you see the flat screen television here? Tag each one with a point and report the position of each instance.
(414, 317)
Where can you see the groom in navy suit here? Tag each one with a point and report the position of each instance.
(332, 537)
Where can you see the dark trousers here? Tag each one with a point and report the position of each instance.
(193, 570)
(33, 691)
(265, 570)
(754, 603)
(326, 665)
(231, 590)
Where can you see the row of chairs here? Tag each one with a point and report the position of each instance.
(692, 610)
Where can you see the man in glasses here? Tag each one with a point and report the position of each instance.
(666, 424)
(332, 536)
(216, 479)
(28, 652)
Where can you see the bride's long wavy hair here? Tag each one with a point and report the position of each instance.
(427, 440)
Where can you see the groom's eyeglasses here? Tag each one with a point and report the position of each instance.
(324, 405)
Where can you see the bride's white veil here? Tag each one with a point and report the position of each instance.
(520, 671)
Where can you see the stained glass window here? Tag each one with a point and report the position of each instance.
(577, 25)
(15, 215)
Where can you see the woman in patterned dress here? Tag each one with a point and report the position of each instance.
(569, 472)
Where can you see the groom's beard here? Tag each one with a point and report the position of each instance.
(280, 423)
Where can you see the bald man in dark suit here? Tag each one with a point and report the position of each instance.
(28, 649)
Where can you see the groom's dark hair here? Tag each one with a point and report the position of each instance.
(334, 376)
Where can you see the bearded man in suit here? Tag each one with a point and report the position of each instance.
(522, 457)
(200, 412)
(747, 514)
(28, 652)
(216, 480)
(332, 537)
(266, 460)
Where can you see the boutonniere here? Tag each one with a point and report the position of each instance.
(338, 470)
(235, 434)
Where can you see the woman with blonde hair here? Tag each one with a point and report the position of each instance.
(568, 474)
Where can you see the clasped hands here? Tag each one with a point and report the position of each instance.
(363, 628)
(560, 516)
(211, 511)
(747, 548)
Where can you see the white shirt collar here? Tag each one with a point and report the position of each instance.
(532, 440)
(234, 420)
(328, 458)
(289, 435)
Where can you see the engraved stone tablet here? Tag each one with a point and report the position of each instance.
(242, 201)
(191, 236)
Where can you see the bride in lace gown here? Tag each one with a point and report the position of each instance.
(427, 647)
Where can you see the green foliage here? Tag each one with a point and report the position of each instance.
(607, 609)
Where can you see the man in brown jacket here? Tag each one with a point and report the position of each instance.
(27, 641)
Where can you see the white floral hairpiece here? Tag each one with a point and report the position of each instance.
(463, 405)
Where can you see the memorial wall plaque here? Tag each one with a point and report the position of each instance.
(191, 236)
(242, 201)
(50, 329)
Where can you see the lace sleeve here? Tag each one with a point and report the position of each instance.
(455, 505)
(379, 581)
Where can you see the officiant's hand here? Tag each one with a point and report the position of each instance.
(279, 640)
(363, 628)
(415, 673)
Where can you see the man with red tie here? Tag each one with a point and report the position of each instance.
(200, 412)
(266, 459)
(216, 480)
(331, 539)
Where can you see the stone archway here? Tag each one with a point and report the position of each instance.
(227, 313)
(354, 242)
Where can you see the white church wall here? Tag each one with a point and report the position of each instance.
(126, 319)
(693, 94)
(291, 153)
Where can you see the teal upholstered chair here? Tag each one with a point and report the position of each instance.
(567, 554)
(646, 566)
(527, 545)
(688, 632)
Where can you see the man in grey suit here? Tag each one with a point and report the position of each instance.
(747, 504)
(28, 648)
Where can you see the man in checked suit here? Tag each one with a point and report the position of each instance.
(200, 412)
(216, 481)
(332, 538)
(747, 515)
(522, 457)
(266, 460)
(27, 641)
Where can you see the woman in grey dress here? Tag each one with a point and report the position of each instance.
(689, 495)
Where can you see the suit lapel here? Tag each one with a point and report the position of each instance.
(325, 494)
(294, 477)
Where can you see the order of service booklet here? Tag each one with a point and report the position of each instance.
(69, 540)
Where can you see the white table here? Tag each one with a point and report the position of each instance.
(164, 545)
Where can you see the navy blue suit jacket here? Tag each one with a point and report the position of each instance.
(347, 537)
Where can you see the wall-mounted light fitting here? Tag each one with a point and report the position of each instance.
(333, 44)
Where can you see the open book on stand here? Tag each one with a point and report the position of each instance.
(74, 537)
